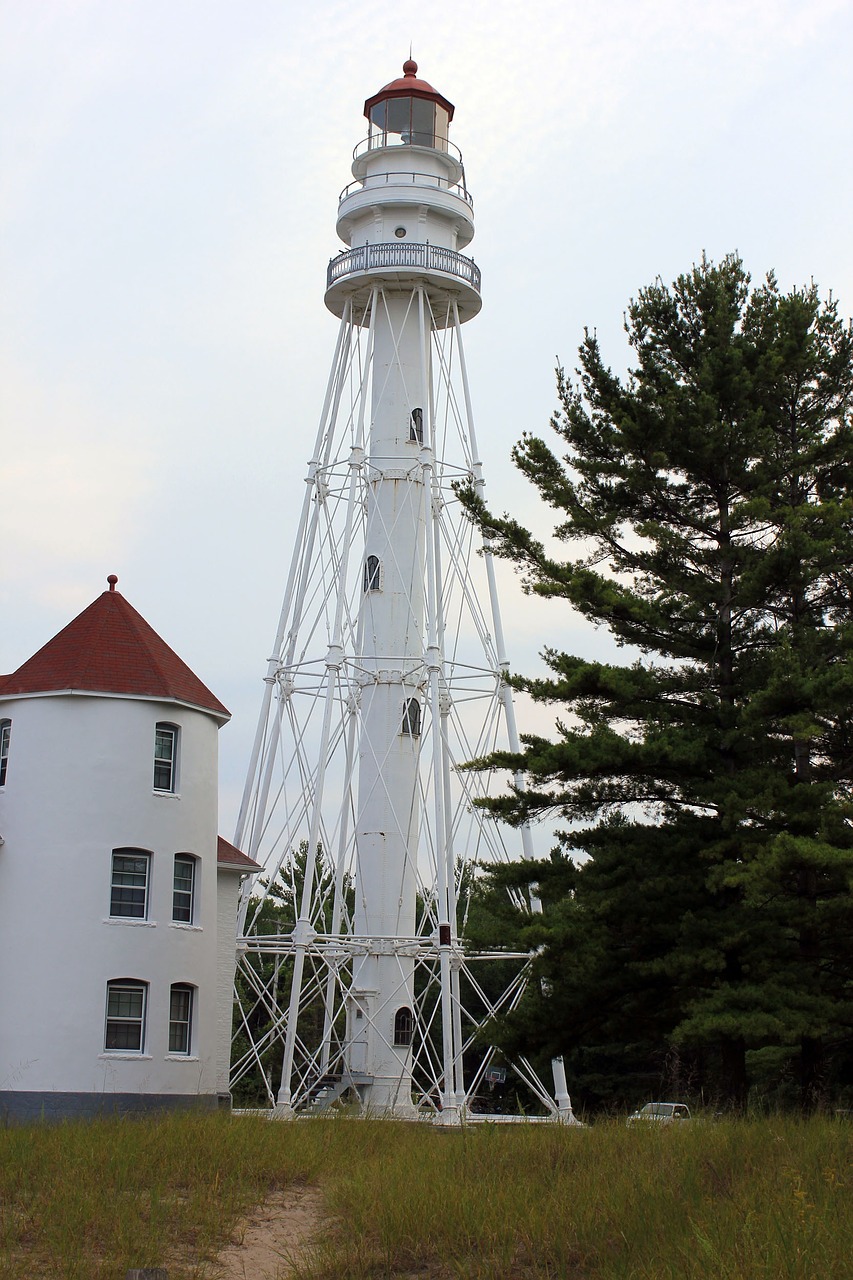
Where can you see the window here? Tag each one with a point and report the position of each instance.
(129, 884)
(165, 757)
(183, 888)
(416, 426)
(5, 735)
(180, 1018)
(403, 1025)
(411, 718)
(371, 573)
(126, 1001)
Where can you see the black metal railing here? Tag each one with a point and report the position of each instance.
(398, 255)
(404, 179)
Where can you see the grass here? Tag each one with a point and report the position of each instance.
(730, 1201)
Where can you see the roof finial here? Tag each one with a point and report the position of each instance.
(410, 68)
(112, 579)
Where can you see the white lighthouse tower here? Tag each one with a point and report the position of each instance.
(387, 673)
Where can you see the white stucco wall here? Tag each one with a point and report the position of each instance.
(80, 784)
(226, 963)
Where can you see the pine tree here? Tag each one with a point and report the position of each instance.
(708, 500)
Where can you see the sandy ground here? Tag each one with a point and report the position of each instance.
(273, 1237)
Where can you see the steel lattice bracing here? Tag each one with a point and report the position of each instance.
(386, 675)
(301, 791)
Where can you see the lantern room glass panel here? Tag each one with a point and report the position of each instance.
(442, 126)
(411, 120)
(422, 124)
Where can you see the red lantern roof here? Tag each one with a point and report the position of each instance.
(409, 86)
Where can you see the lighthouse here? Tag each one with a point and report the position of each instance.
(386, 674)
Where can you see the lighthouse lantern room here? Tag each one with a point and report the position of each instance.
(409, 110)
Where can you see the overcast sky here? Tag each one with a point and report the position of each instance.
(170, 174)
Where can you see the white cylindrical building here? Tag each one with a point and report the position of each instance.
(111, 967)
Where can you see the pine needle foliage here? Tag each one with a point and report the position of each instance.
(704, 516)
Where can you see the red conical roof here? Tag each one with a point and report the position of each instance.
(110, 648)
(228, 855)
(409, 86)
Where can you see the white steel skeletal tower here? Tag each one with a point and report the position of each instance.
(386, 674)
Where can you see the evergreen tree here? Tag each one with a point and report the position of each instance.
(708, 499)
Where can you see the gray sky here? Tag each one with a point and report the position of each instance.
(170, 174)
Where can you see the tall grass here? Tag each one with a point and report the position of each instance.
(729, 1201)
(90, 1200)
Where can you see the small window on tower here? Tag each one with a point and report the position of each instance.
(411, 726)
(129, 884)
(125, 1029)
(5, 736)
(165, 757)
(180, 1018)
(403, 1026)
(416, 426)
(371, 573)
(183, 889)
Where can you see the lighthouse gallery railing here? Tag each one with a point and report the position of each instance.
(393, 178)
(398, 256)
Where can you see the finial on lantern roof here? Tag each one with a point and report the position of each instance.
(410, 67)
(112, 579)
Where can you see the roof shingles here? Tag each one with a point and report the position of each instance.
(228, 855)
(110, 648)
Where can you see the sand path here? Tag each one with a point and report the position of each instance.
(274, 1237)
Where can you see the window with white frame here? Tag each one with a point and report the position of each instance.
(165, 757)
(180, 1018)
(371, 573)
(411, 726)
(129, 884)
(5, 737)
(183, 889)
(416, 426)
(126, 1005)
